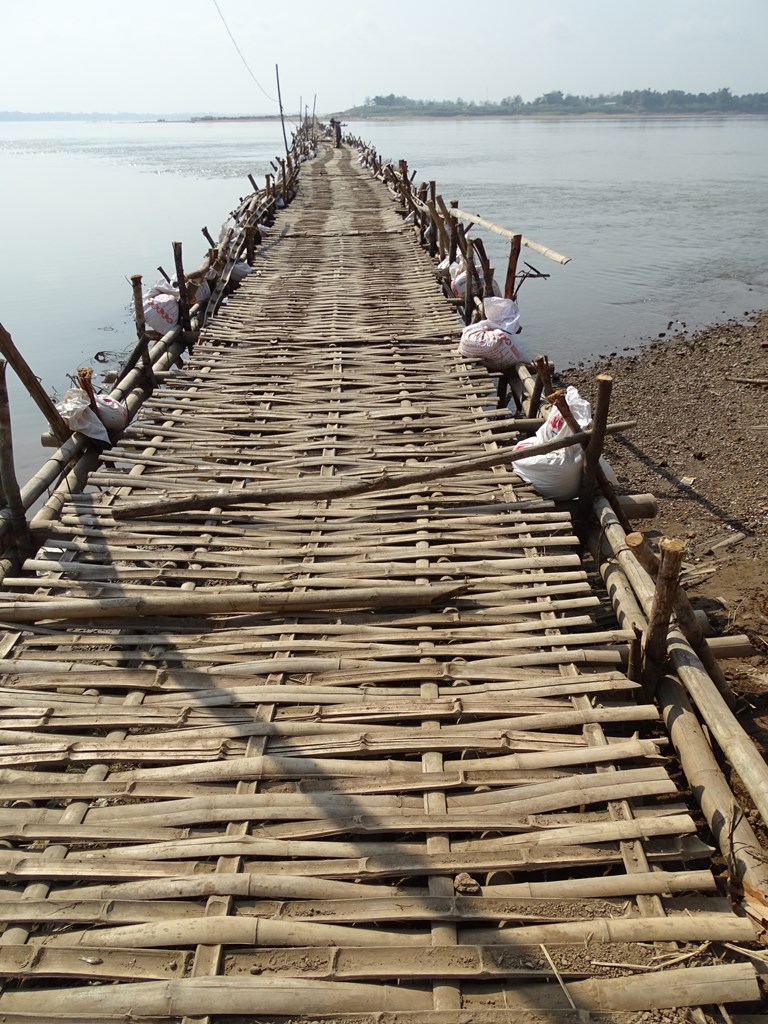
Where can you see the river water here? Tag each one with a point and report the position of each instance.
(663, 219)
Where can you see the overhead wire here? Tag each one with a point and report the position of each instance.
(240, 54)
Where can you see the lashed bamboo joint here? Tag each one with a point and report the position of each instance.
(307, 710)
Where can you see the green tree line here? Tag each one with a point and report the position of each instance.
(636, 101)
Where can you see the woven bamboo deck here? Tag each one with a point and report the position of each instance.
(403, 809)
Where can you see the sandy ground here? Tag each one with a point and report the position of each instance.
(701, 446)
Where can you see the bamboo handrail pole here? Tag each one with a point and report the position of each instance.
(52, 415)
(385, 481)
(472, 218)
(684, 613)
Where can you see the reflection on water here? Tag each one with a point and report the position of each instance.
(663, 221)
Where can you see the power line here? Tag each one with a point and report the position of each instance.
(240, 55)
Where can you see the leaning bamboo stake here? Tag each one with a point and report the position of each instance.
(655, 642)
(685, 616)
(8, 483)
(305, 491)
(181, 283)
(200, 603)
(54, 418)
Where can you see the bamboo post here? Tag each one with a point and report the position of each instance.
(454, 224)
(163, 273)
(22, 370)
(487, 268)
(11, 493)
(182, 285)
(252, 180)
(686, 617)
(250, 245)
(542, 383)
(595, 447)
(655, 642)
(558, 399)
(469, 260)
(514, 256)
(284, 182)
(208, 238)
(141, 329)
(280, 104)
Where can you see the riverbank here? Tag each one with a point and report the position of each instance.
(701, 446)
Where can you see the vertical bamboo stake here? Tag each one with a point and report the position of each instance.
(686, 618)
(19, 528)
(487, 268)
(141, 328)
(280, 103)
(182, 285)
(514, 255)
(208, 238)
(250, 245)
(655, 645)
(252, 180)
(268, 185)
(469, 304)
(594, 448)
(284, 181)
(60, 429)
(542, 380)
(454, 231)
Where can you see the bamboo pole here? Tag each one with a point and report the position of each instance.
(9, 485)
(142, 349)
(514, 256)
(181, 282)
(305, 491)
(686, 618)
(52, 415)
(733, 741)
(594, 449)
(200, 603)
(471, 218)
(654, 652)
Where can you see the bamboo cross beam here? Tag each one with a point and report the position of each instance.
(472, 218)
(304, 491)
(199, 603)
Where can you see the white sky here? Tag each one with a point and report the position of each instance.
(167, 56)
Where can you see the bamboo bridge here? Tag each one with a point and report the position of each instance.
(292, 730)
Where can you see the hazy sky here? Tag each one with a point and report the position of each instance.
(168, 56)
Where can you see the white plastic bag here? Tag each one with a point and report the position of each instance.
(161, 308)
(240, 271)
(77, 413)
(493, 340)
(556, 474)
